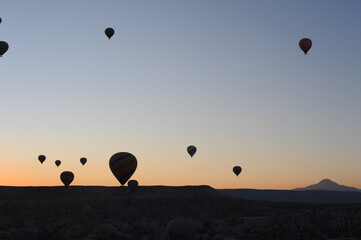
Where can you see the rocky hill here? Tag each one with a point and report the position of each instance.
(102, 213)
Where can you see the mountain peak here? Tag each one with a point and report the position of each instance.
(328, 185)
(327, 181)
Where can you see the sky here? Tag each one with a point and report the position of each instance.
(225, 76)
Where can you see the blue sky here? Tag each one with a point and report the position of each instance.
(225, 76)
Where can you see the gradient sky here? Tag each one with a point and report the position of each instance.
(225, 76)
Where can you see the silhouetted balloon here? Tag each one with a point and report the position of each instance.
(57, 163)
(109, 32)
(66, 177)
(191, 150)
(41, 158)
(132, 185)
(237, 170)
(4, 46)
(1, 20)
(83, 160)
(123, 165)
(180, 229)
(305, 44)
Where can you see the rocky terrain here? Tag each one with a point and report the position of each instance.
(102, 213)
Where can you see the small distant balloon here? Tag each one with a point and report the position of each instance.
(41, 158)
(123, 165)
(1, 20)
(57, 163)
(237, 170)
(191, 150)
(4, 46)
(109, 32)
(132, 185)
(305, 45)
(83, 160)
(66, 177)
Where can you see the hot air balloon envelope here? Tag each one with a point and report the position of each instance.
(132, 185)
(191, 150)
(66, 177)
(83, 160)
(123, 165)
(237, 170)
(305, 44)
(57, 163)
(41, 158)
(4, 46)
(109, 32)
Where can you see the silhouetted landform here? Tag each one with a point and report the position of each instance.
(306, 196)
(329, 185)
(102, 213)
(326, 191)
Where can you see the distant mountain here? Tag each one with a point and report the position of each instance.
(328, 185)
(326, 191)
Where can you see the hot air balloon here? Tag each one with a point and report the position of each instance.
(180, 229)
(66, 177)
(41, 158)
(4, 46)
(83, 160)
(123, 165)
(237, 170)
(305, 44)
(1, 20)
(132, 185)
(191, 150)
(109, 32)
(57, 163)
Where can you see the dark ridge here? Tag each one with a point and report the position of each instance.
(311, 196)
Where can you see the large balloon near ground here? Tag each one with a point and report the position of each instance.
(191, 150)
(237, 170)
(83, 160)
(132, 185)
(57, 163)
(109, 32)
(4, 46)
(41, 158)
(180, 229)
(305, 44)
(66, 177)
(123, 165)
